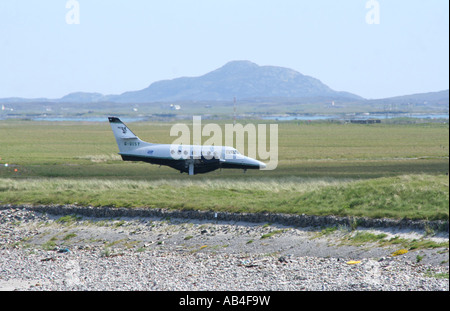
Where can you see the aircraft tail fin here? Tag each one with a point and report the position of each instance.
(125, 138)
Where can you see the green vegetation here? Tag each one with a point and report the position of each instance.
(404, 245)
(414, 244)
(271, 234)
(437, 275)
(407, 196)
(367, 237)
(68, 219)
(50, 244)
(322, 149)
(361, 238)
(383, 170)
(69, 236)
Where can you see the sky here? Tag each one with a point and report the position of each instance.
(373, 48)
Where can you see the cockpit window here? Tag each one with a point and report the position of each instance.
(232, 151)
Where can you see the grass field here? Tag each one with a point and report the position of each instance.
(381, 170)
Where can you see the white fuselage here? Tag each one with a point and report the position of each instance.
(192, 159)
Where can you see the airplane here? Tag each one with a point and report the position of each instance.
(191, 159)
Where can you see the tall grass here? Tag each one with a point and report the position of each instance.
(408, 196)
(341, 169)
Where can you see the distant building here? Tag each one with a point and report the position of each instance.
(369, 121)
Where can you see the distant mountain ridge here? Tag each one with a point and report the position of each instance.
(441, 97)
(241, 79)
(244, 80)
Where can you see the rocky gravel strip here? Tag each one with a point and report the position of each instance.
(283, 219)
(160, 270)
(44, 252)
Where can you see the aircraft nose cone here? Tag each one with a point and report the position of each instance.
(256, 163)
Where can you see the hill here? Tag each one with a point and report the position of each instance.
(434, 98)
(258, 89)
(242, 79)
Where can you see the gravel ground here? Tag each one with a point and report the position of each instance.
(40, 252)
